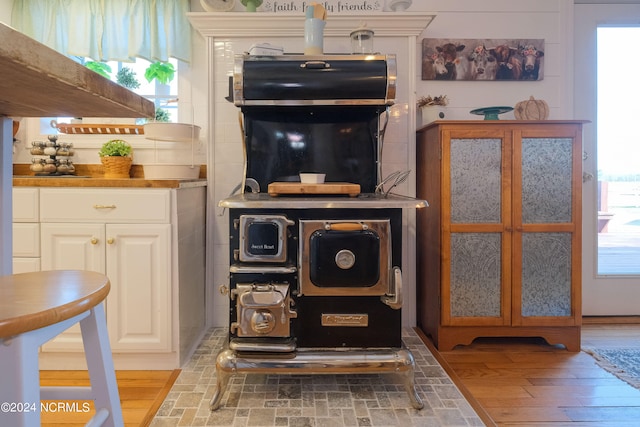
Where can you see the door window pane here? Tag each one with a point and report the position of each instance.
(618, 153)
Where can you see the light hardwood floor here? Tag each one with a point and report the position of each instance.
(141, 394)
(526, 382)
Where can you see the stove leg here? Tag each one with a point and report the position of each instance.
(222, 381)
(409, 385)
(225, 368)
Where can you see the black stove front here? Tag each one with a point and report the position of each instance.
(331, 288)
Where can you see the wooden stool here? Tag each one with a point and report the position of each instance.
(36, 307)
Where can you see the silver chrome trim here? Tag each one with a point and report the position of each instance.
(308, 102)
(238, 78)
(394, 299)
(266, 346)
(281, 222)
(392, 77)
(381, 227)
(278, 269)
(363, 201)
(334, 361)
(309, 58)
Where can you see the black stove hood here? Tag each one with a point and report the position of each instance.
(303, 80)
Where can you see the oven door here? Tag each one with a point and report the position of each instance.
(344, 257)
(263, 238)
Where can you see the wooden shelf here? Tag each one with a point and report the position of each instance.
(99, 129)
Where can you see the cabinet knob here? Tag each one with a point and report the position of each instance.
(104, 206)
(94, 240)
(110, 240)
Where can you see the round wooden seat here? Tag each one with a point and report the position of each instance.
(30, 301)
(37, 307)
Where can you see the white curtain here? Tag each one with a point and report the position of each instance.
(108, 30)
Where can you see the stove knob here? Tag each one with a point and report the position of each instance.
(262, 322)
(345, 259)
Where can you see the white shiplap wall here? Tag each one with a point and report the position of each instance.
(550, 20)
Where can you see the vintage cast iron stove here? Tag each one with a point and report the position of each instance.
(315, 280)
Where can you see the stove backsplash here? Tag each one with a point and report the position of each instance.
(341, 144)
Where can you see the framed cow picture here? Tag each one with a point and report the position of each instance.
(483, 59)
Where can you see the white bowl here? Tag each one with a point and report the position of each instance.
(179, 132)
(171, 171)
(312, 178)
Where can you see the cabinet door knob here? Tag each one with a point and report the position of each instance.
(110, 240)
(94, 240)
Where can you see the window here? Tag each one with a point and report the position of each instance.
(163, 96)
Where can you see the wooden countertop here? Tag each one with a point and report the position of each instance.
(37, 81)
(35, 181)
(30, 301)
(88, 175)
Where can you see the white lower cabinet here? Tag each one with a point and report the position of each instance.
(139, 304)
(137, 260)
(136, 238)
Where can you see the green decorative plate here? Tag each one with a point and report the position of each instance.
(491, 113)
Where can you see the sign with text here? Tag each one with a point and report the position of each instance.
(332, 6)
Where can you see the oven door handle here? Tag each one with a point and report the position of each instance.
(394, 300)
(315, 65)
(346, 226)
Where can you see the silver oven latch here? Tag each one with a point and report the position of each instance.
(394, 299)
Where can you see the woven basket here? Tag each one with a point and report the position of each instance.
(116, 166)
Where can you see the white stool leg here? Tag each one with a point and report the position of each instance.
(100, 364)
(19, 382)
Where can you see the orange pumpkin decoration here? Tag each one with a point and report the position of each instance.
(531, 109)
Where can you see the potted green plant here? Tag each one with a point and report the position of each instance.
(126, 77)
(251, 5)
(116, 156)
(162, 115)
(161, 71)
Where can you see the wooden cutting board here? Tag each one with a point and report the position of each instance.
(281, 188)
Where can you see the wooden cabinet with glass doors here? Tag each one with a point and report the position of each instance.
(499, 247)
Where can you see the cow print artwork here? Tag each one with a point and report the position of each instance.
(483, 59)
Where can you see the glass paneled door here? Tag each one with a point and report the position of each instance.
(618, 148)
(606, 93)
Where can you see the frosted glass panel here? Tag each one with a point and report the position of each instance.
(546, 180)
(546, 274)
(475, 274)
(475, 180)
